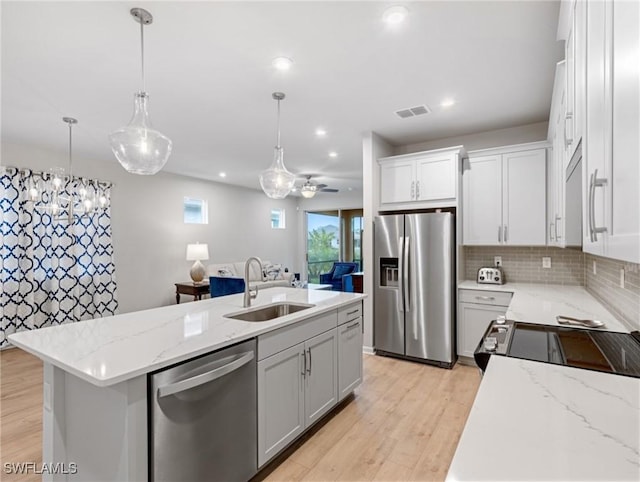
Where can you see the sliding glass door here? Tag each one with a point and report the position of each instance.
(332, 236)
(323, 243)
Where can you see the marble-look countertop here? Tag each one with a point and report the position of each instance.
(541, 303)
(106, 351)
(537, 421)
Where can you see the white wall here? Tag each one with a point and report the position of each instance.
(483, 140)
(149, 235)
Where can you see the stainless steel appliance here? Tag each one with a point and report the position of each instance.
(414, 287)
(203, 418)
(492, 276)
(599, 350)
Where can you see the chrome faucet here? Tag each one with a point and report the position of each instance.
(248, 293)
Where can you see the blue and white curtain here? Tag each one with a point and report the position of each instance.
(53, 272)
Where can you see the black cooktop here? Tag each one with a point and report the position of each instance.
(599, 350)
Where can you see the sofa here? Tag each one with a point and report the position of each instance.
(271, 275)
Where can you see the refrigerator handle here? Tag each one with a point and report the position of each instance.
(400, 291)
(405, 276)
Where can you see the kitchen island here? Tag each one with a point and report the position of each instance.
(537, 421)
(95, 372)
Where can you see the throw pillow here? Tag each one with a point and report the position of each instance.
(273, 272)
(225, 273)
(341, 270)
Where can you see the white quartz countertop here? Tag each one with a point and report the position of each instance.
(106, 351)
(541, 303)
(537, 421)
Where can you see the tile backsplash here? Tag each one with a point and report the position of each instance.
(605, 286)
(524, 264)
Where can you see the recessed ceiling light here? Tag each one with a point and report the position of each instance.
(350, 189)
(320, 132)
(282, 63)
(395, 15)
(447, 103)
(223, 174)
(333, 154)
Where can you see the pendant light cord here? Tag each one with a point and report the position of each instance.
(70, 157)
(278, 146)
(142, 55)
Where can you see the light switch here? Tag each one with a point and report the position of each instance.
(546, 262)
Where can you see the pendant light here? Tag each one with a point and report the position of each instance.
(138, 146)
(276, 181)
(59, 195)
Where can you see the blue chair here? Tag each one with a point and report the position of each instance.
(224, 285)
(334, 277)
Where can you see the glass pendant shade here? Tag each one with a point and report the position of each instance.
(138, 146)
(276, 181)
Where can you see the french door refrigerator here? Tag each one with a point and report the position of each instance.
(414, 291)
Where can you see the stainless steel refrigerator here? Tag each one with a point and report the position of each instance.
(414, 293)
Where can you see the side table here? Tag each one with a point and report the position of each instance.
(190, 288)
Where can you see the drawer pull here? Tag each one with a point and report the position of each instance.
(487, 298)
(352, 326)
(352, 312)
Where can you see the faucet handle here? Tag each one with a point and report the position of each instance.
(253, 293)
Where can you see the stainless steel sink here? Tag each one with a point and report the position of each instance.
(269, 312)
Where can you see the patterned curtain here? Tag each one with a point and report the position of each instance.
(53, 272)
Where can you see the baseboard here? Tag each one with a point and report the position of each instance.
(368, 350)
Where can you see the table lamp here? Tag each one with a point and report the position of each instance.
(197, 252)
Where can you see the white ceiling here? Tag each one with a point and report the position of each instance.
(210, 77)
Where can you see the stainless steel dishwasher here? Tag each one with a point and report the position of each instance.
(203, 418)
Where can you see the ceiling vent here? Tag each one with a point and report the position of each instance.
(413, 111)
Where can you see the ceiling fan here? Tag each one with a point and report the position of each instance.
(309, 189)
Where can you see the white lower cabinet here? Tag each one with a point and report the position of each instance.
(321, 376)
(281, 412)
(476, 310)
(303, 370)
(349, 357)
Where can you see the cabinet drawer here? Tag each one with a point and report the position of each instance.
(278, 340)
(483, 297)
(349, 313)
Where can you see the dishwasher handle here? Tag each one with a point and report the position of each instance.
(206, 377)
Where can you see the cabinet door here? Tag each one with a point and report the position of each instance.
(436, 177)
(524, 198)
(482, 200)
(281, 414)
(397, 182)
(473, 321)
(349, 357)
(597, 128)
(321, 382)
(579, 80)
(623, 201)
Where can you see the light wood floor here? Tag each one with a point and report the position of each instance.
(403, 423)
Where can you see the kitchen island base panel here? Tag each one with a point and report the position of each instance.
(79, 417)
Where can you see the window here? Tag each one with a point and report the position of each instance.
(195, 211)
(277, 219)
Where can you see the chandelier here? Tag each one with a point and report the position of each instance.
(277, 182)
(139, 148)
(63, 197)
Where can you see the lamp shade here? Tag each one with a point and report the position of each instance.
(197, 252)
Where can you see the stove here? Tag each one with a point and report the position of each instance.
(598, 350)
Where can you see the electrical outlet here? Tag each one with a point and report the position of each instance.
(621, 277)
(595, 270)
(546, 262)
(497, 260)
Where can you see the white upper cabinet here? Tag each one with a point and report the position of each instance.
(611, 162)
(397, 182)
(482, 200)
(557, 161)
(504, 196)
(421, 180)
